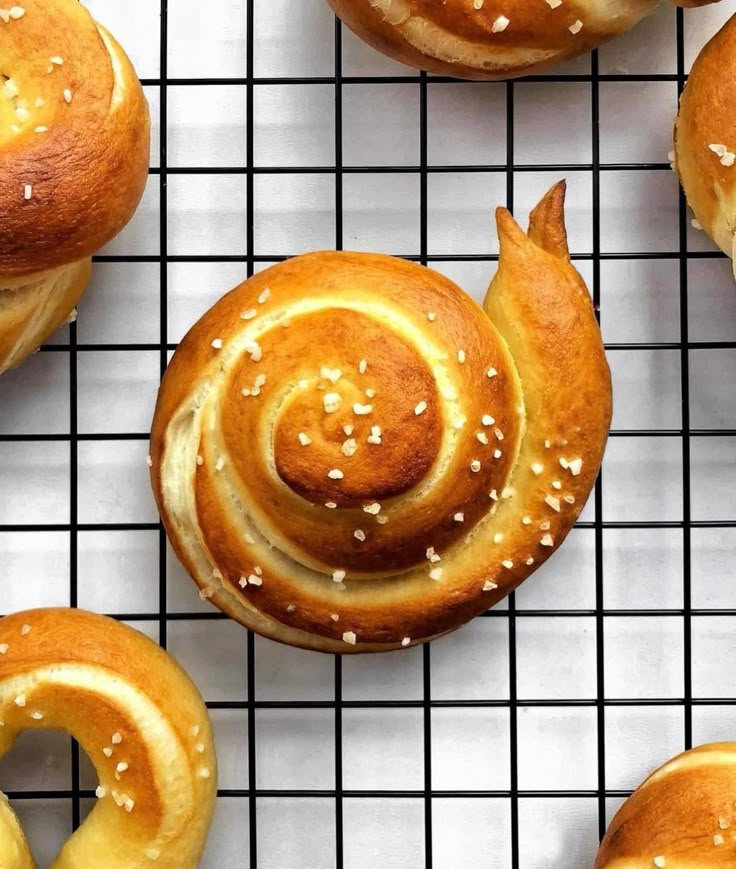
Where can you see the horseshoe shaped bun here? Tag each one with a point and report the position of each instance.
(74, 151)
(349, 454)
(490, 39)
(142, 723)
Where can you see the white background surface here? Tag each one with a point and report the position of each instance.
(557, 655)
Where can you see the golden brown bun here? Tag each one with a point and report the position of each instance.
(705, 138)
(682, 817)
(254, 514)
(498, 40)
(139, 718)
(74, 148)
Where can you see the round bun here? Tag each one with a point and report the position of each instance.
(74, 150)
(142, 723)
(488, 39)
(682, 817)
(705, 138)
(349, 454)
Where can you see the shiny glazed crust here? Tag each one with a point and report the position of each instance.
(74, 148)
(139, 718)
(349, 454)
(682, 817)
(705, 138)
(489, 39)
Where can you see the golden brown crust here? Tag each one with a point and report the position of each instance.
(541, 306)
(682, 817)
(74, 147)
(32, 311)
(487, 39)
(447, 409)
(139, 718)
(705, 138)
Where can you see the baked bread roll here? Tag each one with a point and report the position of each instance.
(489, 39)
(74, 149)
(705, 138)
(682, 817)
(349, 454)
(142, 723)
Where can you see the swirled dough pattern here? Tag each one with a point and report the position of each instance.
(349, 454)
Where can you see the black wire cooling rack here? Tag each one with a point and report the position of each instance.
(252, 796)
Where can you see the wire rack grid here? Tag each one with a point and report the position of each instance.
(508, 744)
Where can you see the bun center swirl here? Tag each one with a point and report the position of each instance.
(374, 418)
(347, 421)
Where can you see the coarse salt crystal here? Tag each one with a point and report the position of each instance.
(575, 466)
(332, 402)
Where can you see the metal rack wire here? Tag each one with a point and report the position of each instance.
(251, 795)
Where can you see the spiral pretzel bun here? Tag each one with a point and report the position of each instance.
(349, 454)
(74, 147)
(139, 718)
(490, 39)
(705, 138)
(682, 817)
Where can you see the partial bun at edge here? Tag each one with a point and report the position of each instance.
(142, 723)
(683, 816)
(705, 138)
(488, 40)
(74, 154)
